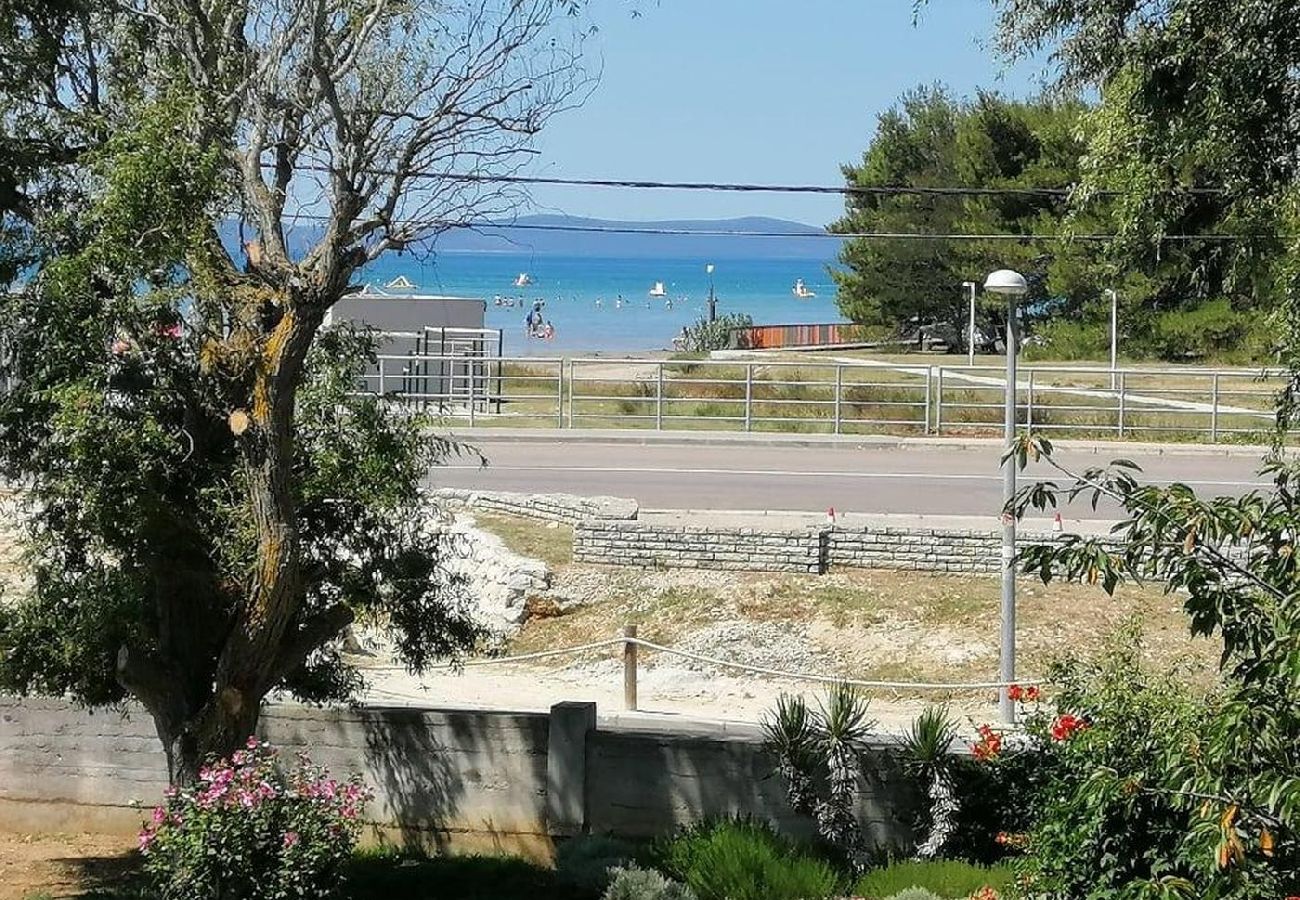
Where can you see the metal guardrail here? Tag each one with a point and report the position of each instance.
(830, 397)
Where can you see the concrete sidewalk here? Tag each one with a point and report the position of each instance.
(637, 437)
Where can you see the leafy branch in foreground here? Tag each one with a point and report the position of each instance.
(1233, 780)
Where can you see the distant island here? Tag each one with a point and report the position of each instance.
(557, 235)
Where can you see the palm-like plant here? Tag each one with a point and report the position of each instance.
(818, 754)
(926, 753)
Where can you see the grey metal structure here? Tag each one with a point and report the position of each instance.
(430, 345)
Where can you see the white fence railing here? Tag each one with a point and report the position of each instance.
(832, 397)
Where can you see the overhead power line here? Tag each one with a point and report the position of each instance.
(743, 187)
(431, 224)
(883, 190)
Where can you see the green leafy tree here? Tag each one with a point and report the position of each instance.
(210, 504)
(1172, 799)
(1195, 131)
(1178, 298)
(932, 141)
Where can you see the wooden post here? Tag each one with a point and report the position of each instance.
(629, 668)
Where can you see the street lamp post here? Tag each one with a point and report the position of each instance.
(713, 304)
(1014, 286)
(970, 333)
(1114, 336)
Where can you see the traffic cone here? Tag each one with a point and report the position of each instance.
(1057, 526)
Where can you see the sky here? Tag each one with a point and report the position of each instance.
(769, 91)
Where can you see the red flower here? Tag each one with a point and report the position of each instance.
(989, 746)
(1066, 726)
(1016, 692)
(1032, 693)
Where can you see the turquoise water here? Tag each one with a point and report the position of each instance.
(571, 287)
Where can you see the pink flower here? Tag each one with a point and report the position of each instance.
(291, 839)
(239, 757)
(172, 331)
(159, 815)
(252, 743)
(147, 836)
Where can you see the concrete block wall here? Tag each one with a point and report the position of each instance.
(815, 550)
(464, 780)
(924, 549)
(566, 508)
(676, 546)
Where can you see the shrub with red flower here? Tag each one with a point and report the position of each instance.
(1066, 726)
(985, 893)
(1024, 693)
(249, 829)
(989, 745)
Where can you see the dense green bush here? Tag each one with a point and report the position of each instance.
(1111, 816)
(744, 860)
(585, 863)
(1156, 790)
(704, 335)
(634, 883)
(1066, 339)
(1200, 331)
(946, 878)
(248, 830)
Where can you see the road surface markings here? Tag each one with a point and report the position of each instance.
(788, 473)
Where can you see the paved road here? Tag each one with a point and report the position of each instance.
(924, 480)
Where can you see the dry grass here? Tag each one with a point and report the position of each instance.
(551, 543)
(877, 624)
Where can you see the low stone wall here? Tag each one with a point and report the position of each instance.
(673, 545)
(567, 508)
(812, 549)
(465, 780)
(925, 549)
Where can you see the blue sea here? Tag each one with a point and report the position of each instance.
(572, 286)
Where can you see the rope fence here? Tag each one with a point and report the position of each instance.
(630, 643)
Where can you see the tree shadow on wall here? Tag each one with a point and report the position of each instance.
(440, 774)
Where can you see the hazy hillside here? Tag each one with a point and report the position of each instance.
(532, 234)
(555, 235)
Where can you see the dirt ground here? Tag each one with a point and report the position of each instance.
(59, 865)
(869, 625)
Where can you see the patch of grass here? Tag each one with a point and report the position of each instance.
(530, 537)
(745, 860)
(947, 878)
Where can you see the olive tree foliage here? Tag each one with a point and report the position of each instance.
(210, 505)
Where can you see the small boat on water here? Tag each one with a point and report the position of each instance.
(658, 290)
(523, 280)
(801, 291)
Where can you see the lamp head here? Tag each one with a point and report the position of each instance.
(1005, 281)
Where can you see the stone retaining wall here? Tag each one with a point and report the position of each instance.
(811, 549)
(473, 780)
(924, 549)
(676, 546)
(567, 508)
